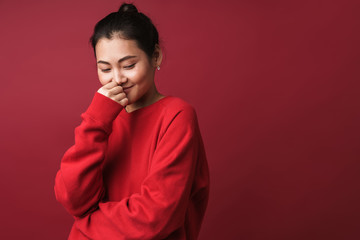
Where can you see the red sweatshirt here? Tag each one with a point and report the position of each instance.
(138, 175)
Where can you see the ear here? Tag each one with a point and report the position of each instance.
(157, 56)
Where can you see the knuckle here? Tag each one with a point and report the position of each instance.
(120, 96)
(102, 91)
(124, 100)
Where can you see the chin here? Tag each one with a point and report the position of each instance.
(134, 99)
(131, 100)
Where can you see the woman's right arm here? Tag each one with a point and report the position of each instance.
(78, 182)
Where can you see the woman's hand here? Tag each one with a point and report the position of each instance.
(115, 92)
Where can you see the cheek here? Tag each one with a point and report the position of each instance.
(104, 79)
(137, 75)
(133, 75)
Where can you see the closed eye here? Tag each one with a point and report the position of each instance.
(130, 66)
(126, 67)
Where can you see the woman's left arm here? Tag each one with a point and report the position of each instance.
(160, 207)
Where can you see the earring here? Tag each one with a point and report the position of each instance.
(158, 67)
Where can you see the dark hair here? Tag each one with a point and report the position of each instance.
(129, 24)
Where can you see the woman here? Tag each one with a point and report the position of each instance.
(138, 168)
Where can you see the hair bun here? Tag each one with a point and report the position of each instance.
(130, 8)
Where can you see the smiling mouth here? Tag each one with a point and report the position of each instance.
(124, 88)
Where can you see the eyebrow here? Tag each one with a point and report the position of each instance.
(120, 60)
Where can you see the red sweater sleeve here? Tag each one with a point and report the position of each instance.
(78, 183)
(160, 207)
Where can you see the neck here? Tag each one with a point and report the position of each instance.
(149, 98)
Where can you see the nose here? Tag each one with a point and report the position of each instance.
(119, 78)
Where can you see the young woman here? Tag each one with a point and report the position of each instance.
(138, 168)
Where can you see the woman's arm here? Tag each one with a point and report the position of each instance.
(78, 183)
(160, 208)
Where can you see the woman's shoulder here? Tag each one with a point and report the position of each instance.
(177, 111)
(174, 104)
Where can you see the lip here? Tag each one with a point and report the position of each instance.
(126, 88)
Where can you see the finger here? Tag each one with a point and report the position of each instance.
(119, 96)
(110, 85)
(116, 90)
(124, 102)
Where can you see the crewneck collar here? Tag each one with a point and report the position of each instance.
(145, 109)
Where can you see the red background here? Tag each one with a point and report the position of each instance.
(276, 88)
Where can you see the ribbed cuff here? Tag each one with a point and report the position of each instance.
(103, 109)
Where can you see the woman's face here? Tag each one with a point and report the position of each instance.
(122, 61)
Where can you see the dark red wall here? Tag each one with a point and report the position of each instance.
(275, 84)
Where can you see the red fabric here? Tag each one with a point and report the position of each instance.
(138, 175)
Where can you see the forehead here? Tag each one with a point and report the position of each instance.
(115, 48)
